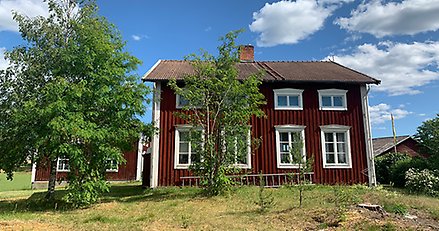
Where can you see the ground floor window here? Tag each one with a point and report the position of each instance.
(286, 137)
(336, 146)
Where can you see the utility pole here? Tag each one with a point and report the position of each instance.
(394, 132)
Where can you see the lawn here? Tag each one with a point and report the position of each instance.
(129, 207)
(21, 181)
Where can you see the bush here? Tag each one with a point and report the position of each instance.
(385, 162)
(423, 181)
(398, 170)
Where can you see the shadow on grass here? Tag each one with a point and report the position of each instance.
(120, 193)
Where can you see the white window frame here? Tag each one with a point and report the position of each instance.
(58, 164)
(291, 129)
(336, 129)
(249, 153)
(288, 92)
(113, 170)
(331, 93)
(178, 129)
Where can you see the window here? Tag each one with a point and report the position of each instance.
(181, 101)
(332, 99)
(242, 149)
(185, 148)
(286, 137)
(335, 146)
(288, 99)
(112, 166)
(63, 165)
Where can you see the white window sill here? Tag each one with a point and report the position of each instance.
(111, 170)
(243, 166)
(185, 166)
(288, 166)
(337, 166)
(289, 108)
(63, 170)
(333, 109)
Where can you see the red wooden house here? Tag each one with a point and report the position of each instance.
(130, 171)
(324, 102)
(404, 144)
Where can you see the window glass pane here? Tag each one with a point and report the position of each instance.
(184, 136)
(284, 147)
(342, 158)
(330, 158)
(294, 101)
(340, 137)
(326, 101)
(285, 158)
(329, 137)
(282, 100)
(283, 136)
(183, 159)
(184, 147)
(341, 147)
(338, 101)
(195, 157)
(182, 101)
(295, 136)
(241, 159)
(329, 147)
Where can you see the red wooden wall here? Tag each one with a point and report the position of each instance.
(264, 158)
(410, 147)
(125, 172)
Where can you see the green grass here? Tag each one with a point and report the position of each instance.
(129, 207)
(21, 181)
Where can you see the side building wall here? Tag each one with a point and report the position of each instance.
(263, 158)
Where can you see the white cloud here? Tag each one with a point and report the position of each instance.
(382, 18)
(401, 67)
(3, 62)
(288, 22)
(139, 37)
(30, 8)
(381, 113)
(207, 29)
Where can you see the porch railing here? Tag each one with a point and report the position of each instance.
(272, 180)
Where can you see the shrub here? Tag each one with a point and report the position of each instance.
(398, 170)
(385, 162)
(423, 181)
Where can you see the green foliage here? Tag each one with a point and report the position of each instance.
(70, 92)
(399, 169)
(384, 163)
(428, 136)
(304, 165)
(396, 208)
(423, 181)
(265, 200)
(221, 105)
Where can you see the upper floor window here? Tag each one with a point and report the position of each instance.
(336, 146)
(288, 99)
(332, 99)
(186, 146)
(63, 164)
(286, 137)
(181, 101)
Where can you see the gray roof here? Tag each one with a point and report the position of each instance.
(383, 144)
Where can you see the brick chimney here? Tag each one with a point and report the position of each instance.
(246, 53)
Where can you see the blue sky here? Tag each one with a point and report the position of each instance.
(395, 41)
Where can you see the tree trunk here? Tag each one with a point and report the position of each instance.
(52, 181)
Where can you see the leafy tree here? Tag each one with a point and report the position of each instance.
(70, 92)
(304, 165)
(384, 163)
(221, 106)
(428, 136)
